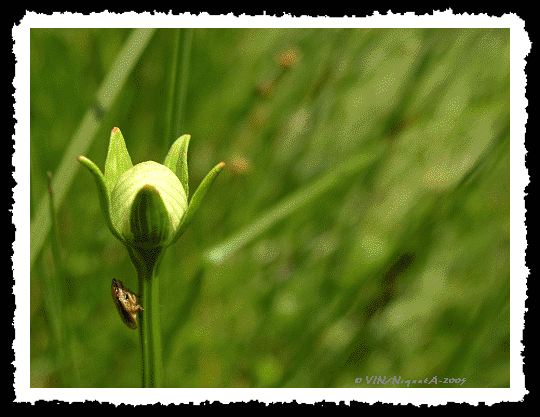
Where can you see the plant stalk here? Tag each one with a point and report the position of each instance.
(150, 328)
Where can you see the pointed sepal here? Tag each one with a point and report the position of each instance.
(176, 160)
(103, 193)
(118, 160)
(196, 200)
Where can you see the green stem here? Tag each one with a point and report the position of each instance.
(188, 36)
(150, 327)
(170, 133)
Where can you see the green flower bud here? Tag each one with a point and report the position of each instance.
(146, 206)
(161, 204)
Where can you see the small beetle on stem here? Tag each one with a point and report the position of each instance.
(125, 301)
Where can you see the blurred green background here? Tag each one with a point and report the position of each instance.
(366, 194)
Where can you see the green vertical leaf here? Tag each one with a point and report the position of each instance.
(176, 160)
(118, 160)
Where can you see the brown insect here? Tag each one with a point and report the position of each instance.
(125, 301)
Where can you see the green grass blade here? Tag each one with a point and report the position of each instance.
(289, 205)
(81, 141)
(171, 94)
(186, 50)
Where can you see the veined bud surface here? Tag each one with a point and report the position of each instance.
(147, 204)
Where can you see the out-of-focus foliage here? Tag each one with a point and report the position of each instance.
(401, 268)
